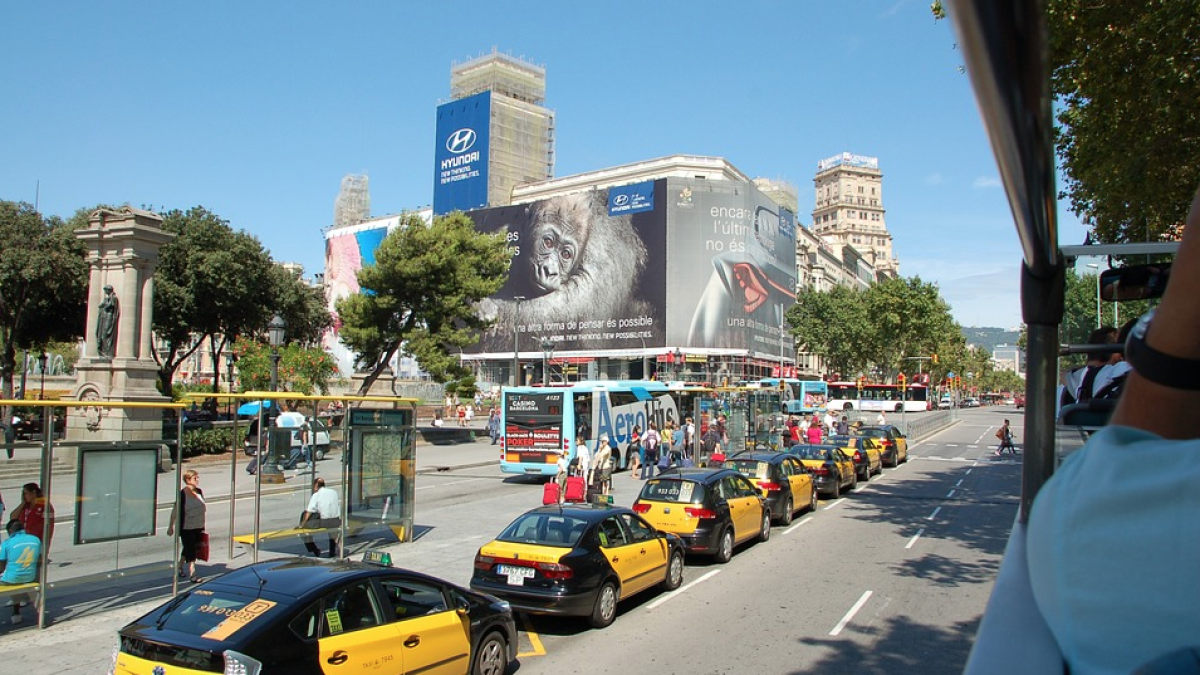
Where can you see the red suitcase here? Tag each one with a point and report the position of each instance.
(550, 493)
(576, 489)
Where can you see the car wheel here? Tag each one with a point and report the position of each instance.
(765, 533)
(837, 487)
(785, 518)
(725, 549)
(854, 483)
(491, 657)
(674, 571)
(320, 451)
(812, 506)
(605, 611)
(864, 475)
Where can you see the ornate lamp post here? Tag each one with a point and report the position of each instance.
(547, 354)
(276, 331)
(230, 358)
(517, 342)
(42, 369)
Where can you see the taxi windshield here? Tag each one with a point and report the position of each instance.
(679, 491)
(810, 452)
(750, 468)
(545, 529)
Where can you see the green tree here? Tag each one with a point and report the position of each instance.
(301, 306)
(302, 369)
(212, 284)
(908, 318)
(834, 324)
(1125, 77)
(421, 295)
(43, 285)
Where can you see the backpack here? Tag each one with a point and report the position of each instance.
(651, 441)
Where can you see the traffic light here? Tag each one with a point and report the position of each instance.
(933, 358)
(902, 381)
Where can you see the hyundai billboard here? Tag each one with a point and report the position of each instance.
(460, 176)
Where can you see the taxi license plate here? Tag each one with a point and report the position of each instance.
(516, 575)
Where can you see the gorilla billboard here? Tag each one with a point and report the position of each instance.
(581, 277)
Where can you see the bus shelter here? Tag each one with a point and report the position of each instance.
(108, 504)
(754, 417)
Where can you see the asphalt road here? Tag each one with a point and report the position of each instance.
(890, 579)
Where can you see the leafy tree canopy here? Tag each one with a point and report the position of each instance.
(43, 285)
(421, 295)
(1125, 77)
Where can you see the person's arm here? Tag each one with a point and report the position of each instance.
(1156, 408)
(174, 515)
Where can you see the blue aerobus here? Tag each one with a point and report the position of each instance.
(800, 397)
(538, 422)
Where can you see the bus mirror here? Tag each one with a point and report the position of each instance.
(1135, 282)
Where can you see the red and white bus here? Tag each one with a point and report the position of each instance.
(878, 397)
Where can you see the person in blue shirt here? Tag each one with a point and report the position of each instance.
(19, 555)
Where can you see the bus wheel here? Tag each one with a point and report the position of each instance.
(847, 406)
(899, 407)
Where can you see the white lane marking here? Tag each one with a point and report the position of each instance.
(802, 522)
(850, 615)
(952, 445)
(915, 538)
(959, 483)
(950, 494)
(942, 459)
(934, 514)
(968, 473)
(682, 588)
(834, 504)
(457, 482)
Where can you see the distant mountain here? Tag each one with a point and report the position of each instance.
(988, 338)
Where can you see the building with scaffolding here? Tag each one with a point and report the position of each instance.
(494, 134)
(353, 203)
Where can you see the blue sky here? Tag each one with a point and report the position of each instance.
(255, 110)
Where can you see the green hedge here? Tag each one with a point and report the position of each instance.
(207, 442)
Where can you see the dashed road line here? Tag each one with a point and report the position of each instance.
(805, 521)
(914, 538)
(934, 514)
(835, 503)
(850, 615)
(682, 588)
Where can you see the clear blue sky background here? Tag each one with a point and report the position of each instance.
(256, 110)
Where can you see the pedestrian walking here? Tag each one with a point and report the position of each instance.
(636, 452)
(651, 443)
(600, 473)
(493, 424)
(188, 513)
(1005, 435)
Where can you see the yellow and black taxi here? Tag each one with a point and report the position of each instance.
(786, 484)
(306, 615)
(712, 510)
(829, 463)
(577, 560)
(893, 441)
(864, 452)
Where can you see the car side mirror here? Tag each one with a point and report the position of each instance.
(1134, 282)
(462, 607)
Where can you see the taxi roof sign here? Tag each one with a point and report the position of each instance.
(376, 557)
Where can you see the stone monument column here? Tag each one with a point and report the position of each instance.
(118, 361)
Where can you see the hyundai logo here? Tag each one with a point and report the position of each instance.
(621, 200)
(159, 670)
(461, 141)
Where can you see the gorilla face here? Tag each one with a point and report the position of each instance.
(555, 256)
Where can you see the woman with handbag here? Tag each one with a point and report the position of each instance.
(188, 513)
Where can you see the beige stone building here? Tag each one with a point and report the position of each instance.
(848, 209)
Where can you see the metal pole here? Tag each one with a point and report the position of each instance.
(1097, 299)
(516, 342)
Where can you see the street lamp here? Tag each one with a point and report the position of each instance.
(42, 369)
(547, 354)
(276, 330)
(678, 364)
(230, 357)
(516, 342)
(1097, 268)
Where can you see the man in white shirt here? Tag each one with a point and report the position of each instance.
(583, 457)
(881, 420)
(325, 512)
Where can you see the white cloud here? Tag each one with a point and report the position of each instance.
(986, 182)
(933, 179)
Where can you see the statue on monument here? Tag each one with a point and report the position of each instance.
(106, 325)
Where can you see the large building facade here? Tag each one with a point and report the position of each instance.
(848, 208)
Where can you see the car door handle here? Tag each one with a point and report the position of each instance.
(412, 641)
(616, 558)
